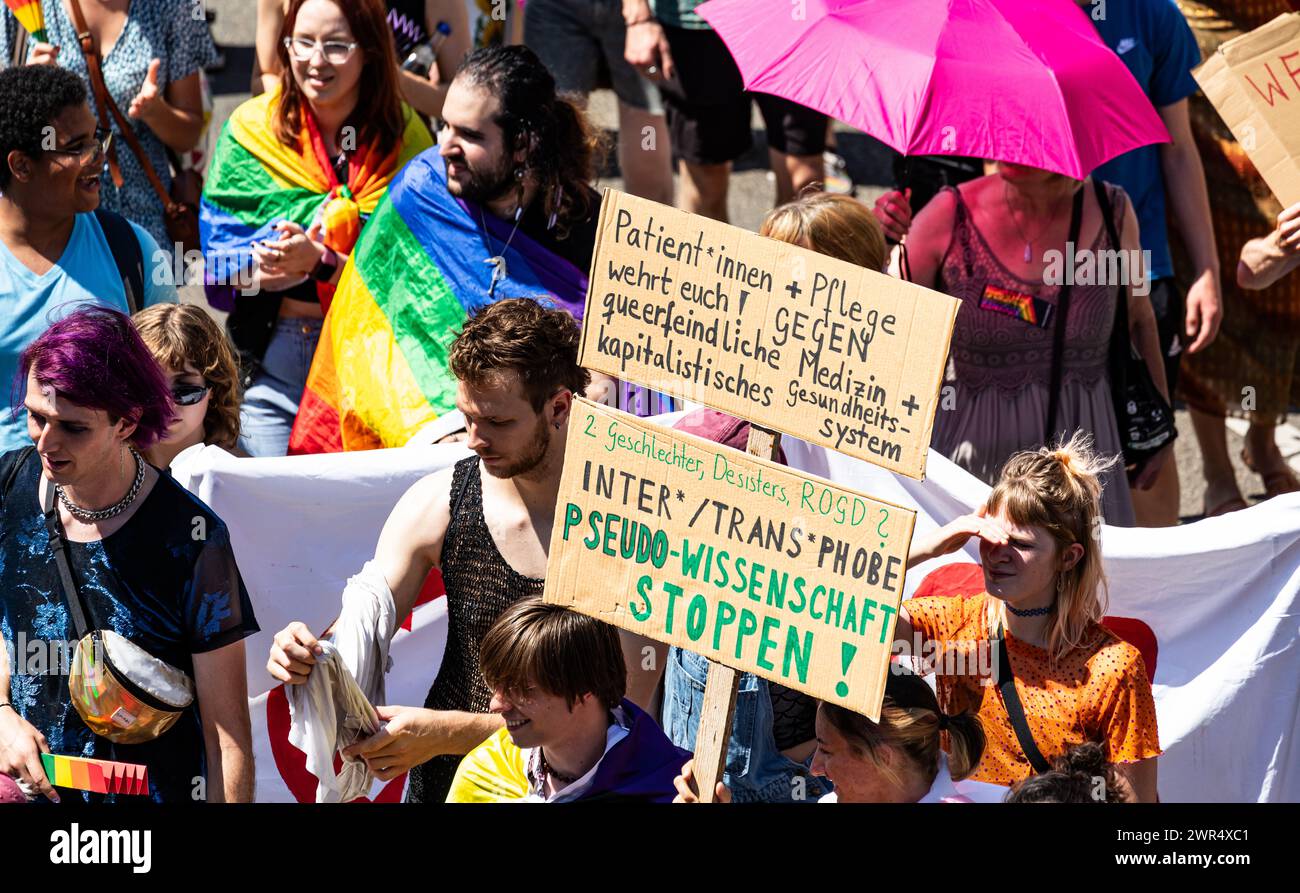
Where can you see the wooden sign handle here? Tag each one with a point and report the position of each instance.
(724, 682)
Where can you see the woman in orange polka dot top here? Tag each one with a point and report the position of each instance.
(1044, 587)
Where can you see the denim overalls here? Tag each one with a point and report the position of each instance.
(756, 771)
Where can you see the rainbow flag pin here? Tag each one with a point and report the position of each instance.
(98, 776)
(30, 16)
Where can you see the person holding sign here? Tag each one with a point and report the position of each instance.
(897, 760)
(1061, 677)
(773, 731)
(485, 523)
(558, 680)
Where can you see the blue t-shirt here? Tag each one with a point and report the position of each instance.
(85, 273)
(1156, 44)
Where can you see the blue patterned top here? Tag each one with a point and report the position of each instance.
(155, 29)
(167, 580)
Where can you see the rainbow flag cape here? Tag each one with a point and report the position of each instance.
(30, 15)
(255, 181)
(639, 768)
(418, 272)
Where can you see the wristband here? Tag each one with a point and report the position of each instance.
(326, 267)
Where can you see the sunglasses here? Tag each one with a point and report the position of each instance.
(190, 394)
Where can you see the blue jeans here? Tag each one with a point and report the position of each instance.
(271, 401)
(756, 771)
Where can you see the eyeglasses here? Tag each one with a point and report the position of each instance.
(336, 52)
(85, 154)
(190, 394)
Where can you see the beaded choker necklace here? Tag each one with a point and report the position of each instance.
(1032, 612)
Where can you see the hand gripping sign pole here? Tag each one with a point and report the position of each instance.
(757, 567)
(723, 683)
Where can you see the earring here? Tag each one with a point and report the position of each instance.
(1060, 583)
(121, 464)
(519, 172)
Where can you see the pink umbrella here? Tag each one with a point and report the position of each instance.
(1010, 80)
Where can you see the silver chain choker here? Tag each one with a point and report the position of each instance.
(117, 508)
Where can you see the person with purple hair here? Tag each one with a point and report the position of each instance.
(150, 561)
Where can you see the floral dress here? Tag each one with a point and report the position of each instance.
(154, 29)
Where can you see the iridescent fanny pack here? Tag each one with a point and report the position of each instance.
(122, 692)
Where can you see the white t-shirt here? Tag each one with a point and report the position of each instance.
(617, 731)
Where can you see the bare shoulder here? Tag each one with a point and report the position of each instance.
(418, 523)
(937, 216)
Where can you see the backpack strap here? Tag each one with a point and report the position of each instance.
(1016, 712)
(23, 455)
(127, 254)
(1058, 333)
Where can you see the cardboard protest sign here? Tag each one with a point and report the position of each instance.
(1254, 82)
(747, 562)
(787, 338)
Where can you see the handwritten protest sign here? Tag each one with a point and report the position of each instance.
(1254, 82)
(790, 339)
(751, 564)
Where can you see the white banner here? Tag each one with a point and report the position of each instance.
(1221, 597)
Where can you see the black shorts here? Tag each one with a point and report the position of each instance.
(1170, 307)
(708, 108)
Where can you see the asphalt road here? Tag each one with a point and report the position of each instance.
(751, 196)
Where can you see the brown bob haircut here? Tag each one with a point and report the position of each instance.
(183, 334)
(378, 116)
(562, 652)
(540, 343)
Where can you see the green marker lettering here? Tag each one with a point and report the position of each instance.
(643, 587)
(748, 625)
(674, 592)
(572, 515)
(696, 615)
(766, 643)
(801, 656)
(726, 614)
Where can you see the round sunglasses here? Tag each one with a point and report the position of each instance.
(190, 394)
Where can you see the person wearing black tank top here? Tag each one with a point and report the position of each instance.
(484, 523)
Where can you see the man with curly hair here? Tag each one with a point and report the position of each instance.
(57, 248)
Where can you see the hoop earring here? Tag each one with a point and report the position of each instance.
(1060, 584)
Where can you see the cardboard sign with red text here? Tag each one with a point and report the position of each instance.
(1254, 82)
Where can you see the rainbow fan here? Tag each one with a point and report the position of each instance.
(30, 16)
(97, 776)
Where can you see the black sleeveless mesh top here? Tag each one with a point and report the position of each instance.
(480, 586)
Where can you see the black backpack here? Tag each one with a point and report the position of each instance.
(127, 254)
